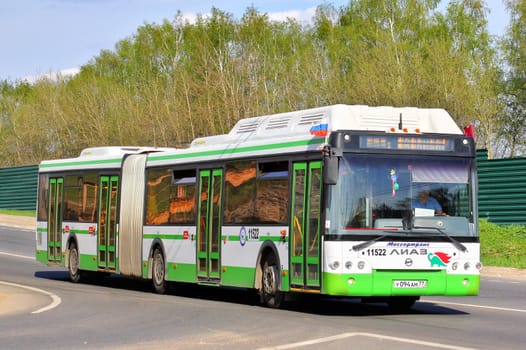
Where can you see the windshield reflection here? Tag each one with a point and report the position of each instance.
(393, 192)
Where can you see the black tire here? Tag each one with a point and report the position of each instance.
(401, 304)
(158, 272)
(73, 263)
(270, 293)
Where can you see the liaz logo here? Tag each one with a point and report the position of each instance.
(438, 259)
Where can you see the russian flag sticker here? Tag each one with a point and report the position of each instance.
(320, 130)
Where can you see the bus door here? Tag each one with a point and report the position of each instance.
(305, 226)
(54, 222)
(107, 222)
(209, 225)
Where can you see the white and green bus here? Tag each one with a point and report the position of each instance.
(323, 200)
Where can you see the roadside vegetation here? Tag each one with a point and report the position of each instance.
(503, 246)
(18, 212)
(171, 82)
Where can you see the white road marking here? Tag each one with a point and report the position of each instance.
(55, 298)
(18, 256)
(371, 335)
(474, 305)
(505, 280)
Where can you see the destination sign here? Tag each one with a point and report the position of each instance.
(407, 142)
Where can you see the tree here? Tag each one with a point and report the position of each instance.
(169, 83)
(513, 116)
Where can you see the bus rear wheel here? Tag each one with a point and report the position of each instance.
(158, 272)
(271, 296)
(73, 263)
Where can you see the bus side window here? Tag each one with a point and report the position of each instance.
(272, 190)
(182, 197)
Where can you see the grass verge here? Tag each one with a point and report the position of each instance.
(18, 212)
(503, 246)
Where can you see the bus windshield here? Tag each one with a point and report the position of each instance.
(379, 194)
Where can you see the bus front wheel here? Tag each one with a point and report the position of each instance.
(271, 295)
(158, 272)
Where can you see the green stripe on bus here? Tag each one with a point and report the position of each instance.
(235, 238)
(240, 149)
(117, 161)
(41, 255)
(82, 232)
(234, 276)
(88, 262)
(75, 231)
(82, 162)
(181, 272)
(162, 236)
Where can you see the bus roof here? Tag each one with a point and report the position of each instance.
(297, 131)
(98, 157)
(321, 121)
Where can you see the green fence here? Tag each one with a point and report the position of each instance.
(18, 187)
(502, 189)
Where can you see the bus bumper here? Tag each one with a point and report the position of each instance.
(400, 283)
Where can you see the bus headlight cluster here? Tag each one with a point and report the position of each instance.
(467, 266)
(334, 265)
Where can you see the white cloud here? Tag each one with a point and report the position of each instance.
(53, 76)
(301, 15)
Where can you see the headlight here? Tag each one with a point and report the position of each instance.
(334, 265)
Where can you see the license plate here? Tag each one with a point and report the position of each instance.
(409, 283)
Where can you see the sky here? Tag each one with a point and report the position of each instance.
(42, 36)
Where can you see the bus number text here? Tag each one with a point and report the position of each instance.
(253, 233)
(376, 252)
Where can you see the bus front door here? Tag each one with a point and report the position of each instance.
(107, 222)
(54, 223)
(209, 225)
(305, 226)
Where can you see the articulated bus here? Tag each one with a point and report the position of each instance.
(323, 200)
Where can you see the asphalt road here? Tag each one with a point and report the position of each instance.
(117, 313)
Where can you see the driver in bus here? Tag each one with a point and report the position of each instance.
(425, 201)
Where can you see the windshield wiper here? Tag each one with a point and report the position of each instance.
(456, 243)
(364, 245)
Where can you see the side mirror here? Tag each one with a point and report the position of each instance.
(330, 168)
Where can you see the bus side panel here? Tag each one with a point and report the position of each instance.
(41, 242)
(86, 241)
(240, 248)
(180, 249)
